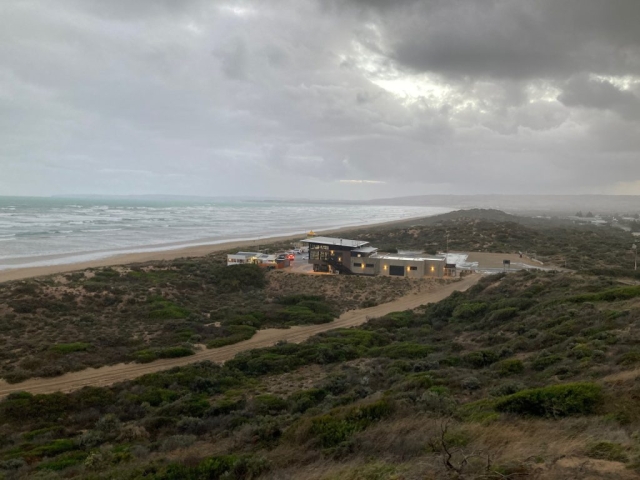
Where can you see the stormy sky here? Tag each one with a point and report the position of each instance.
(319, 98)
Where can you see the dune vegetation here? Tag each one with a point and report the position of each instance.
(526, 375)
(52, 325)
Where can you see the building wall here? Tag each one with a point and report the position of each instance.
(340, 253)
(364, 266)
(411, 268)
(239, 259)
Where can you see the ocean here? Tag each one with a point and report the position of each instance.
(49, 231)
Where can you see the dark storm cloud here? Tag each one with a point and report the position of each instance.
(581, 91)
(232, 97)
(507, 39)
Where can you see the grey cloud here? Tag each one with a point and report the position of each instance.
(230, 97)
(581, 91)
(507, 39)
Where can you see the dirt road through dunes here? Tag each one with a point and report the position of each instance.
(109, 375)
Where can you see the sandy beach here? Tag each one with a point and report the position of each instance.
(21, 273)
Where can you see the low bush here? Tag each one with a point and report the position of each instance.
(238, 333)
(66, 348)
(332, 429)
(402, 350)
(613, 452)
(480, 359)
(229, 467)
(544, 361)
(609, 295)
(63, 461)
(509, 367)
(467, 311)
(269, 404)
(149, 355)
(629, 358)
(554, 401)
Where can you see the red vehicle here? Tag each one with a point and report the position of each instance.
(291, 256)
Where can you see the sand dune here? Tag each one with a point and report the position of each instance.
(264, 338)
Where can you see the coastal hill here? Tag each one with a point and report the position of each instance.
(528, 375)
(541, 204)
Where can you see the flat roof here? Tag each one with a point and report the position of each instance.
(398, 257)
(365, 250)
(343, 242)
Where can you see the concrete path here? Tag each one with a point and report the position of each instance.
(109, 375)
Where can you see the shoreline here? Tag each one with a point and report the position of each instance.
(200, 250)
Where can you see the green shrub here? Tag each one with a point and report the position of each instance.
(231, 467)
(149, 355)
(629, 358)
(167, 311)
(63, 461)
(480, 359)
(239, 333)
(613, 452)
(610, 295)
(554, 401)
(269, 404)
(544, 361)
(502, 315)
(507, 388)
(303, 400)
(298, 298)
(402, 350)
(66, 348)
(21, 406)
(469, 310)
(332, 429)
(50, 449)
(509, 367)
(581, 351)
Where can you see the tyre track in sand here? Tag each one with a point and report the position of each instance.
(108, 375)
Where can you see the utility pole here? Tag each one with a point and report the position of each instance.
(447, 250)
(634, 247)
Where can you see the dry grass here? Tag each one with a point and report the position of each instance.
(346, 292)
(302, 379)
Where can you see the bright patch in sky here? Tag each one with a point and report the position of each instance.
(361, 181)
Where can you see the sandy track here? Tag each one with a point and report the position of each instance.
(263, 338)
